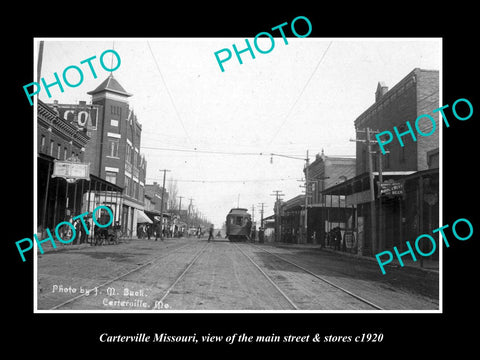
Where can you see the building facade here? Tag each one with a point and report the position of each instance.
(61, 198)
(326, 212)
(416, 94)
(403, 201)
(114, 147)
(155, 192)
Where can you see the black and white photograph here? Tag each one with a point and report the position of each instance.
(219, 180)
(279, 181)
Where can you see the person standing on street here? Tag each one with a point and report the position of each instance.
(337, 236)
(149, 230)
(210, 233)
(260, 234)
(79, 232)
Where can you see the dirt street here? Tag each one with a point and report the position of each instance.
(193, 274)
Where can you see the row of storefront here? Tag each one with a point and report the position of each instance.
(411, 210)
(65, 185)
(88, 155)
(371, 202)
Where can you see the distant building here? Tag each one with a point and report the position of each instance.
(153, 204)
(291, 219)
(154, 192)
(326, 211)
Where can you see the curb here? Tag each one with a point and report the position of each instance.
(394, 264)
(356, 256)
(61, 247)
(64, 247)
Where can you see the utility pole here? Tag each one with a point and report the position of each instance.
(373, 217)
(277, 213)
(253, 213)
(39, 60)
(261, 215)
(190, 206)
(161, 206)
(261, 230)
(189, 212)
(307, 164)
(180, 205)
(372, 193)
(381, 229)
(306, 182)
(308, 195)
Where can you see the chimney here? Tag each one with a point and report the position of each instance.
(55, 107)
(382, 89)
(323, 155)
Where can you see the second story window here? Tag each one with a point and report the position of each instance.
(128, 153)
(111, 176)
(113, 148)
(42, 143)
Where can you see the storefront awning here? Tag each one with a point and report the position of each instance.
(142, 217)
(155, 215)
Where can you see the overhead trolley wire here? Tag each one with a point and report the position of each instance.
(216, 152)
(228, 181)
(169, 94)
(300, 95)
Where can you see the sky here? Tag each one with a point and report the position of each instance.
(209, 127)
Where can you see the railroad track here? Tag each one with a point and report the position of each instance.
(284, 295)
(180, 277)
(161, 296)
(316, 276)
(134, 270)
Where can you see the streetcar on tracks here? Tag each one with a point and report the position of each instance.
(238, 225)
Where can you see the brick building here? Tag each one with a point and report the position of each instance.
(153, 197)
(394, 217)
(114, 147)
(326, 211)
(290, 217)
(414, 95)
(154, 192)
(60, 139)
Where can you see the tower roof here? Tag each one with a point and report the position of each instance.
(112, 85)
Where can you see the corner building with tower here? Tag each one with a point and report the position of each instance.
(113, 151)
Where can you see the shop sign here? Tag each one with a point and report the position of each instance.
(349, 239)
(391, 188)
(71, 169)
